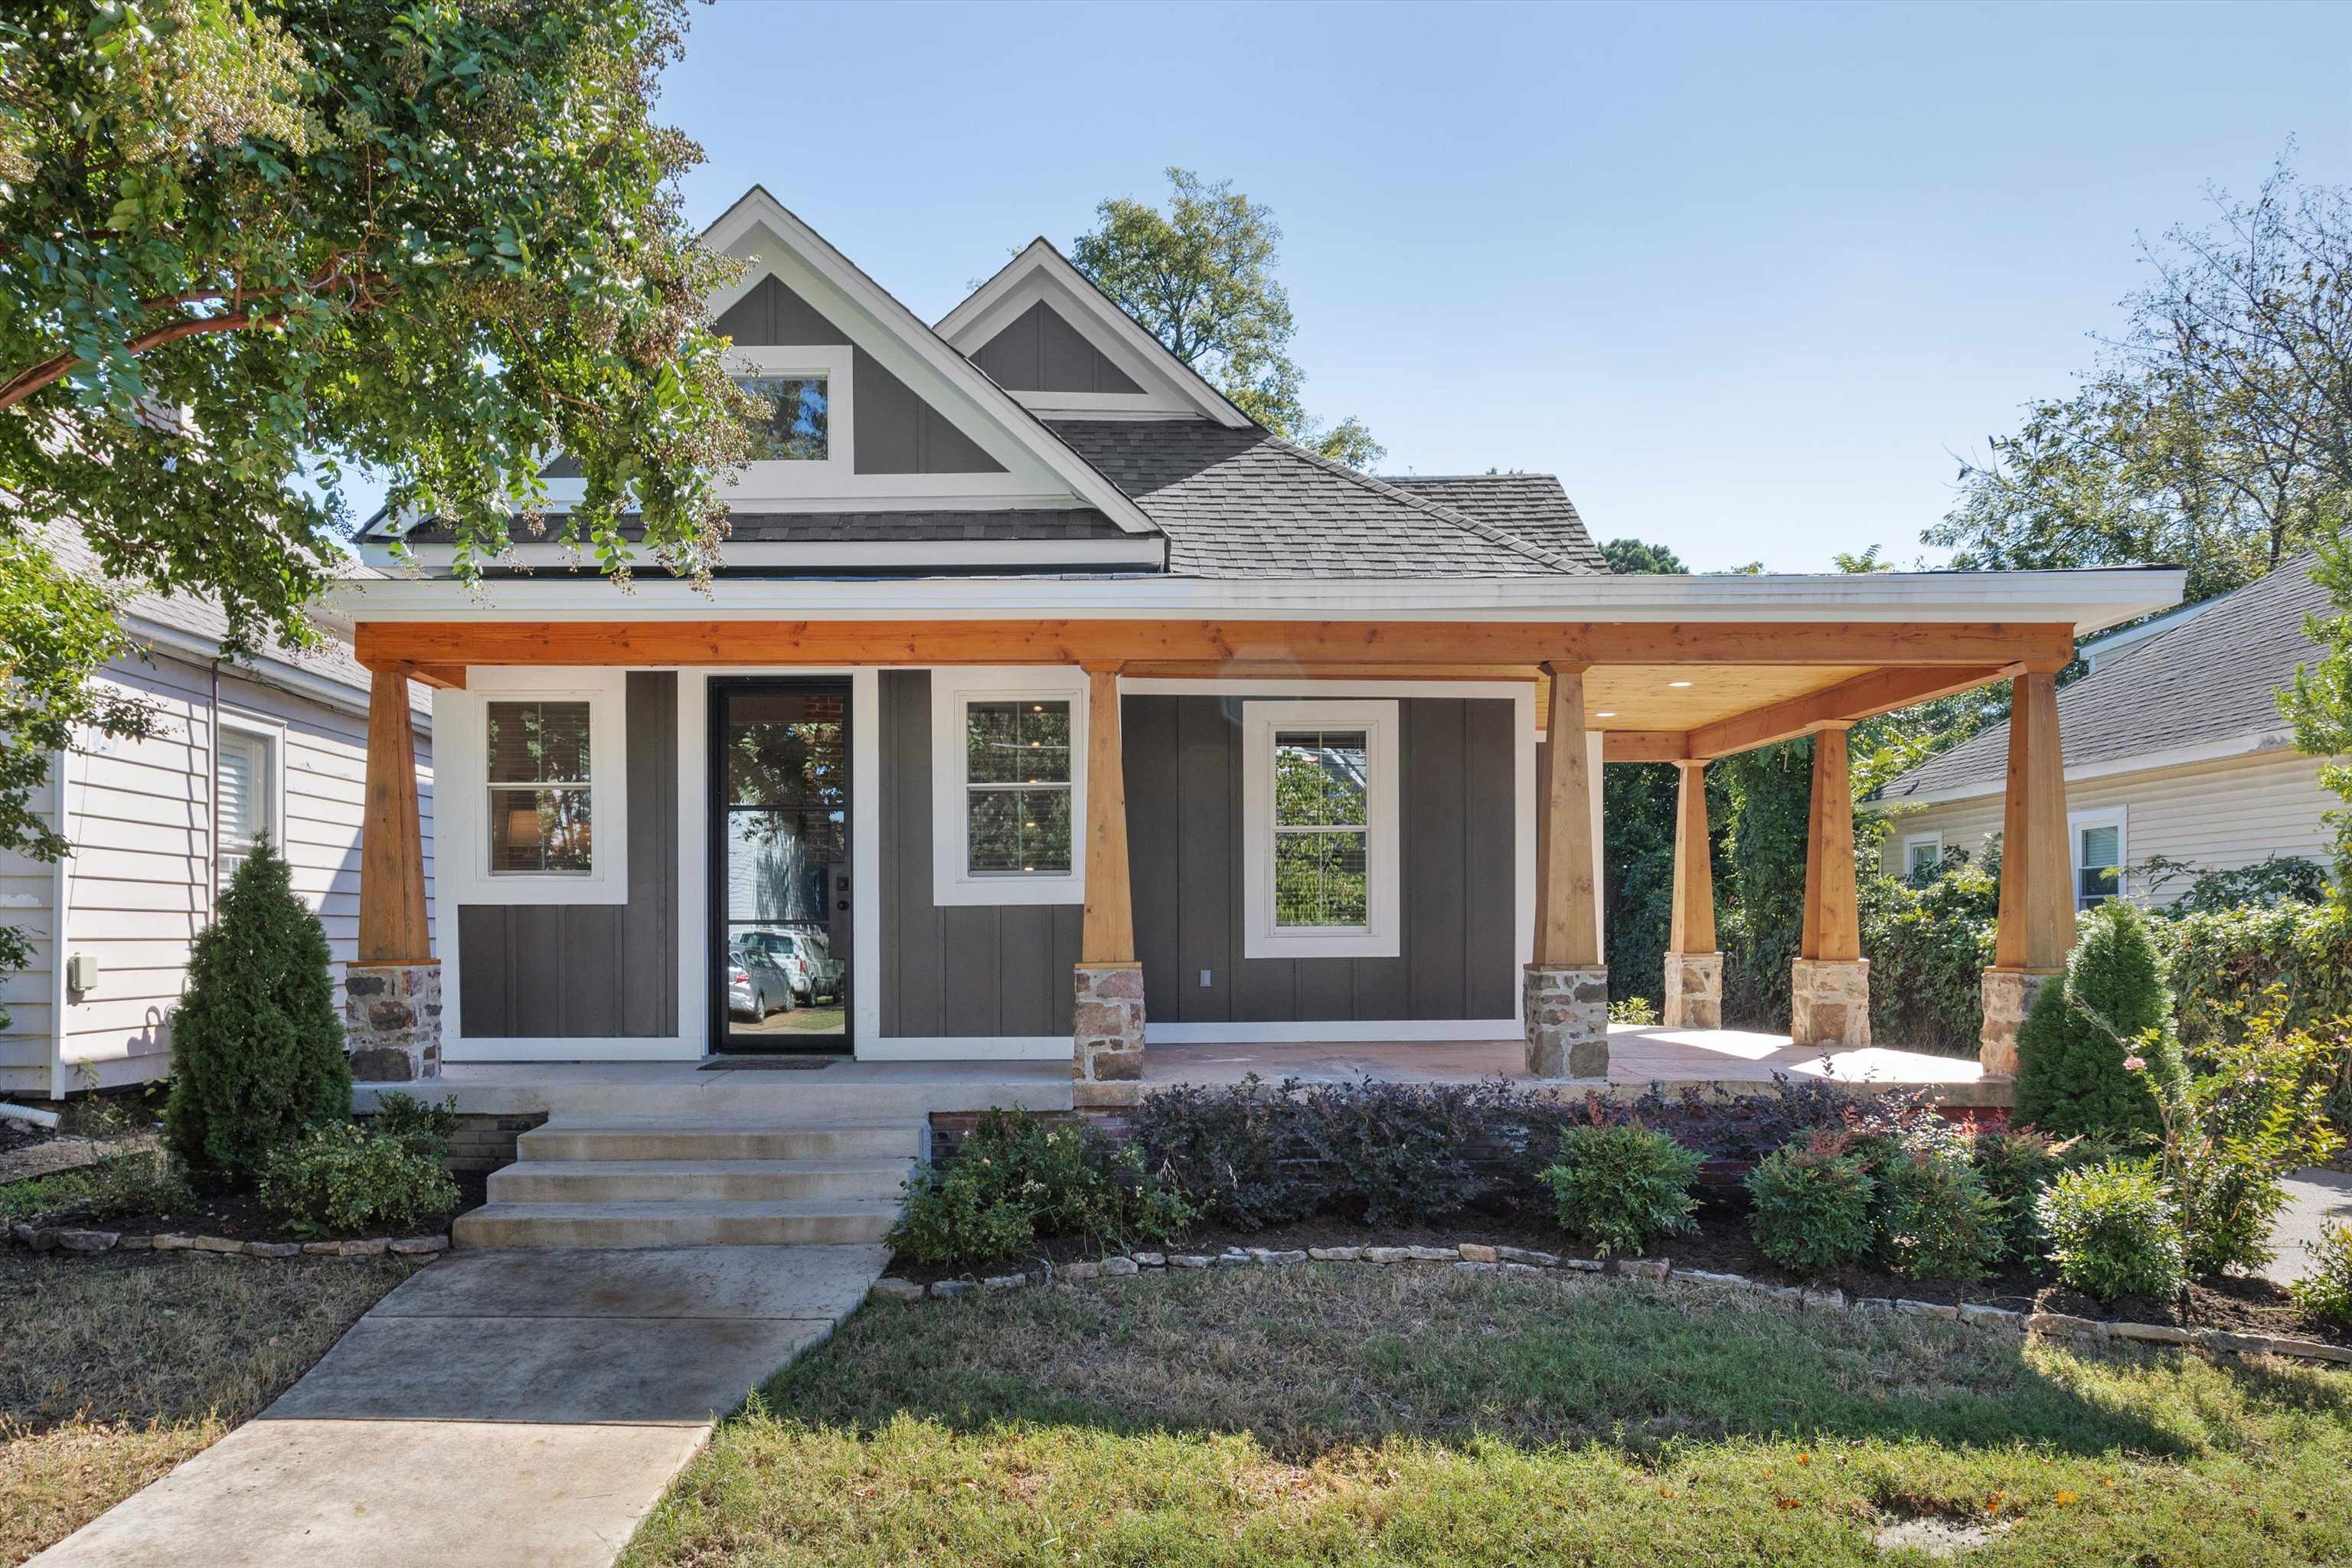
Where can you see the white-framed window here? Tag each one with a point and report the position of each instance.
(807, 445)
(249, 784)
(1008, 786)
(2096, 841)
(1319, 851)
(533, 780)
(1923, 857)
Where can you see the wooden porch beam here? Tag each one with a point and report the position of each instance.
(1864, 697)
(1644, 746)
(1226, 645)
(393, 927)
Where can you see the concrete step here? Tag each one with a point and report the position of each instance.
(653, 1138)
(693, 1223)
(540, 1181)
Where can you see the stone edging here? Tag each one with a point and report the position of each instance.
(1476, 1257)
(69, 1239)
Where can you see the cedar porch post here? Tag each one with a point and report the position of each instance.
(1106, 1023)
(1566, 989)
(2037, 905)
(1693, 979)
(392, 993)
(1829, 995)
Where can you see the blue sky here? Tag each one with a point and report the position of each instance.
(1745, 276)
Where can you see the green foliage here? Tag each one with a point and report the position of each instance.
(431, 241)
(1929, 945)
(344, 1179)
(2267, 883)
(257, 1048)
(2111, 1232)
(2326, 1289)
(1200, 277)
(2223, 963)
(1017, 1177)
(2015, 1165)
(144, 1182)
(1622, 1187)
(414, 1122)
(1637, 867)
(1633, 555)
(2076, 1044)
(1811, 1205)
(1770, 793)
(1936, 1218)
(1638, 1011)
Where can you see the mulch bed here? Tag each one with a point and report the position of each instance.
(1721, 1244)
(241, 1217)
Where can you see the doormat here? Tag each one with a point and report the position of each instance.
(768, 1064)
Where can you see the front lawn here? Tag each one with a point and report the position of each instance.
(1337, 1412)
(119, 1367)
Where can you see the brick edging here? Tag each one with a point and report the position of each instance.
(74, 1239)
(1476, 1257)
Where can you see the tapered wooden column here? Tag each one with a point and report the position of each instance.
(392, 993)
(1566, 993)
(1828, 1000)
(1107, 1029)
(1694, 978)
(2036, 927)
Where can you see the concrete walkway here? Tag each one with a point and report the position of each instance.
(496, 1410)
(2315, 1200)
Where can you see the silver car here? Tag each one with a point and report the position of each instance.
(756, 984)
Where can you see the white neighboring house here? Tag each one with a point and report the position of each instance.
(277, 746)
(2174, 747)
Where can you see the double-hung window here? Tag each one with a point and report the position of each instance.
(245, 785)
(1923, 858)
(1008, 764)
(1320, 824)
(542, 798)
(2098, 856)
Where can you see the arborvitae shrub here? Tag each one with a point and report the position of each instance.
(257, 1048)
(2071, 1076)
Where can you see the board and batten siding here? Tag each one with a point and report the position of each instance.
(2217, 815)
(592, 970)
(138, 815)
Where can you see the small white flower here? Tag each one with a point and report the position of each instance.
(2134, 1064)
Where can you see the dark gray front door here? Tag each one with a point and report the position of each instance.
(780, 865)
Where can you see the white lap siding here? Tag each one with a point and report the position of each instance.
(139, 880)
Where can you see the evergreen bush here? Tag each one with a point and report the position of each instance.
(1811, 1205)
(1018, 1177)
(1622, 1187)
(2113, 1233)
(257, 1048)
(2326, 1289)
(2071, 1076)
(345, 1179)
(1936, 1220)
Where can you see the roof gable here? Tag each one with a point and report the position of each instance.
(1085, 357)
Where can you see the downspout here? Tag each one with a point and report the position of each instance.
(60, 930)
(212, 810)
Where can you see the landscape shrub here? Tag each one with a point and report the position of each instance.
(257, 1047)
(342, 1178)
(2109, 1009)
(1017, 1178)
(1929, 944)
(2015, 1164)
(2224, 965)
(2111, 1232)
(1238, 1153)
(1622, 1187)
(423, 1126)
(1638, 1011)
(2326, 1289)
(1811, 1205)
(1936, 1219)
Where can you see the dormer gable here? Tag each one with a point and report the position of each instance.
(1064, 349)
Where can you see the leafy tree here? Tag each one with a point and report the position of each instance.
(2077, 1049)
(1200, 277)
(1770, 793)
(1625, 555)
(257, 1047)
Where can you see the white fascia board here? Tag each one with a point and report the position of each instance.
(272, 670)
(1042, 271)
(2082, 599)
(757, 210)
(2253, 743)
(848, 555)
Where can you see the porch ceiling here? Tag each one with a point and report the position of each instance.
(1681, 697)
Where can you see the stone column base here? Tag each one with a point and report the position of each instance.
(1828, 1001)
(2007, 996)
(1694, 997)
(392, 1021)
(1107, 1029)
(1567, 1021)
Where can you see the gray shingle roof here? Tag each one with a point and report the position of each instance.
(2214, 678)
(903, 527)
(1533, 507)
(1242, 503)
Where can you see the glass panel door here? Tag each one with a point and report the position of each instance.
(780, 884)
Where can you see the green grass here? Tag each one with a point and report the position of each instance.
(1340, 1414)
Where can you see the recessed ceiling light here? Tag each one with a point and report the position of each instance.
(1604, 715)
(1677, 683)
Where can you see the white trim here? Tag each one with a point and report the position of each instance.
(1912, 841)
(461, 789)
(2086, 599)
(902, 335)
(272, 732)
(2252, 744)
(922, 554)
(276, 671)
(2116, 816)
(1382, 933)
(953, 884)
(1332, 1030)
(61, 921)
(563, 1049)
(967, 1049)
(835, 472)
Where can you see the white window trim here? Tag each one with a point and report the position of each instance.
(2099, 817)
(461, 859)
(271, 733)
(1382, 933)
(791, 479)
(953, 881)
(1912, 841)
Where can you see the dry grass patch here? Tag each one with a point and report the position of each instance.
(1338, 1414)
(120, 1367)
